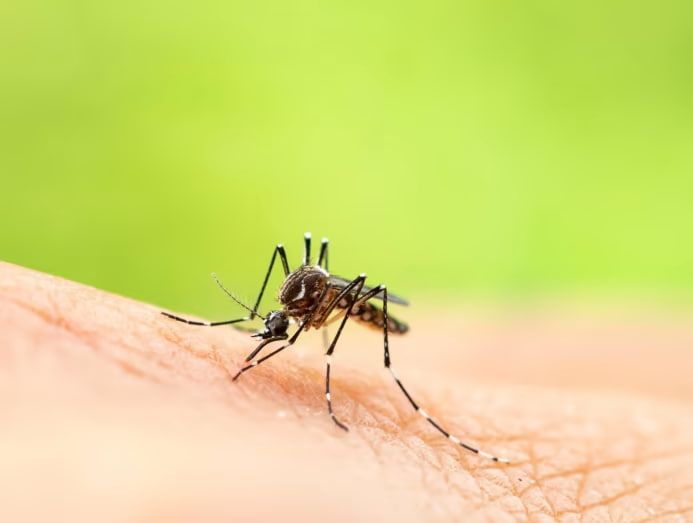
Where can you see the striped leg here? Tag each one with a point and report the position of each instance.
(352, 289)
(279, 249)
(204, 323)
(418, 409)
(323, 262)
(328, 396)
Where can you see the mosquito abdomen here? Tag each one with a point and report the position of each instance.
(374, 317)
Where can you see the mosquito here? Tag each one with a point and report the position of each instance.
(314, 298)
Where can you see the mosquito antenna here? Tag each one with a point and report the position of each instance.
(228, 292)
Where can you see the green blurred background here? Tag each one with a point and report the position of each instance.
(489, 149)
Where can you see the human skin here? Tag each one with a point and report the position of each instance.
(112, 412)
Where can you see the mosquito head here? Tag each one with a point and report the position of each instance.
(276, 324)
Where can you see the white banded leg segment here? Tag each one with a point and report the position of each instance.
(328, 396)
(204, 323)
(440, 429)
(306, 248)
(354, 288)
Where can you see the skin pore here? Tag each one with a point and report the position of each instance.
(111, 411)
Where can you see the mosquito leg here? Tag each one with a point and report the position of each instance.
(323, 254)
(285, 265)
(329, 397)
(258, 361)
(418, 409)
(267, 356)
(262, 345)
(323, 257)
(205, 323)
(306, 248)
(322, 262)
(353, 289)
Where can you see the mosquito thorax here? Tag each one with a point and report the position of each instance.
(301, 289)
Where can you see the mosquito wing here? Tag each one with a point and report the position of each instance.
(338, 281)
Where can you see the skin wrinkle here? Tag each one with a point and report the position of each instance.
(389, 443)
(91, 337)
(85, 337)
